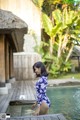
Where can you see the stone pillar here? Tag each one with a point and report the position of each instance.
(3, 88)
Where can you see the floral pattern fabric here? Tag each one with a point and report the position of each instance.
(41, 86)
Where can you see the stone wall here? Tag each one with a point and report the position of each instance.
(27, 11)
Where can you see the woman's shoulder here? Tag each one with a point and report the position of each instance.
(43, 79)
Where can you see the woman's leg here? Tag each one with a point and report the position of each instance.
(43, 108)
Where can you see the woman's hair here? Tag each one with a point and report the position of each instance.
(43, 69)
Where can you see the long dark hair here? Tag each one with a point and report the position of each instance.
(43, 69)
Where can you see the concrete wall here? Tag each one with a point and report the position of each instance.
(27, 11)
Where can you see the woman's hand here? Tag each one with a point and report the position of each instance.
(34, 105)
(37, 111)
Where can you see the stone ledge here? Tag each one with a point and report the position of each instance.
(3, 90)
(12, 80)
(62, 82)
(8, 85)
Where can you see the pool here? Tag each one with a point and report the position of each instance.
(20, 108)
(65, 100)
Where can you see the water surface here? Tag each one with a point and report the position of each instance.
(65, 100)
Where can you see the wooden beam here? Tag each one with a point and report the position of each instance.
(2, 58)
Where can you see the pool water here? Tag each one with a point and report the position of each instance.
(19, 110)
(65, 100)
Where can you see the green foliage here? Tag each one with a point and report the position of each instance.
(39, 48)
(47, 24)
(57, 15)
(38, 3)
(70, 75)
(68, 1)
(63, 33)
(50, 5)
(62, 27)
(50, 28)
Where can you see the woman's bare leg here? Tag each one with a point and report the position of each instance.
(43, 108)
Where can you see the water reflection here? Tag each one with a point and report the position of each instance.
(77, 99)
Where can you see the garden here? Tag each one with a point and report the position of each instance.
(60, 36)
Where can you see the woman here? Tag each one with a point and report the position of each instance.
(42, 101)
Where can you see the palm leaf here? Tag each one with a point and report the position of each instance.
(56, 29)
(47, 24)
(57, 16)
(38, 3)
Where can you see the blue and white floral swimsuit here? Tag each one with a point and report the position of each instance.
(41, 86)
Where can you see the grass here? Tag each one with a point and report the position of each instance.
(71, 75)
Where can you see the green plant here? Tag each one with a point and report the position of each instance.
(62, 36)
(62, 27)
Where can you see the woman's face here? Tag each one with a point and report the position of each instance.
(37, 70)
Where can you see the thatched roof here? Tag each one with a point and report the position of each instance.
(13, 25)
